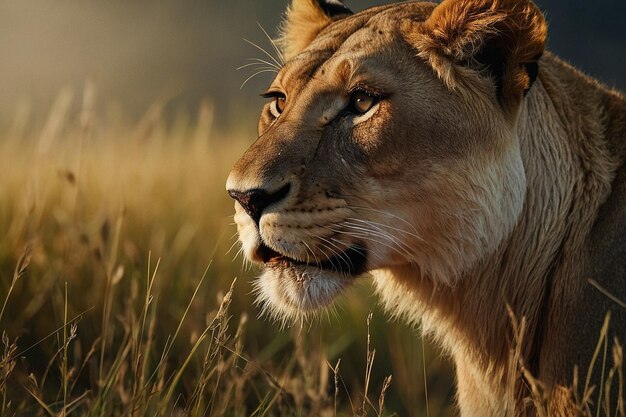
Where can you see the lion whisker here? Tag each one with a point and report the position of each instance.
(340, 254)
(270, 56)
(317, 262)
(245, 263)
(378, 225)
(385, 213)
(279, 53)
(254, 75)
(261, 64)
(336, 255)
(380, 233)
(367, 235)
(330, 259)
(232, 247)
(238, 253)
(259, 60)
(408, 250)
(371, 228)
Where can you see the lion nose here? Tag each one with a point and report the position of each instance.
(256, 200)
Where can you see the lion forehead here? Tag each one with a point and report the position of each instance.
(344, 46)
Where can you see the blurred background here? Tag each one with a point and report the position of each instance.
(143, 51)
(119, 122)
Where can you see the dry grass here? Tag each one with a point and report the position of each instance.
(119, 296)
(119, 292)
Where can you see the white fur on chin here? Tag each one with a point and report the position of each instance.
(291, 293)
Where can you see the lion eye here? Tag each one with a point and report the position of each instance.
(362, 102)
(278, 105)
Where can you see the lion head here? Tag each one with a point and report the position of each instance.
(388, 141)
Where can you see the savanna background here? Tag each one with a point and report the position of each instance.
(121, 291)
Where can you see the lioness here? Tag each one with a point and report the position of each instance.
(475, 176)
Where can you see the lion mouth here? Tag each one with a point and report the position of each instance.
(351, 262)
(291, 289)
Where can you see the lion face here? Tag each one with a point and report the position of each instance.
(374, 153)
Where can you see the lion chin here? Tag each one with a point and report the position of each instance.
(292, 293)
(290, 290)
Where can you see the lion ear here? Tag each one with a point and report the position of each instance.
(504, 37)
(305, 19)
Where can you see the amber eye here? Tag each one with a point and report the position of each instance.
(362, 102)
(278, 105)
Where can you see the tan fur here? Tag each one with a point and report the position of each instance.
(458, 30)
(475, 195)
(306, 19)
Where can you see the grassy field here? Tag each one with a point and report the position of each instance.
(121, 293)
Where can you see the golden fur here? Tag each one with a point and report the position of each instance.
(485, 181)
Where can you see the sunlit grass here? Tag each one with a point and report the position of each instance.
(119, 292)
